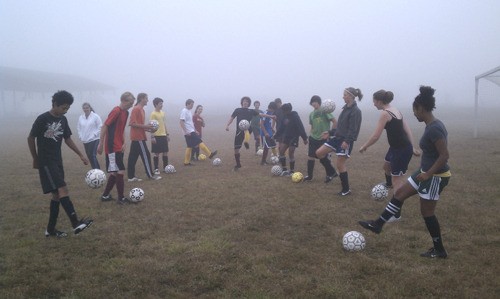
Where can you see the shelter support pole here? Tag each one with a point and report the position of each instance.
(476, 102)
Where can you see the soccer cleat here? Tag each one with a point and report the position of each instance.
(344, 193)
(328, 179)
(236, 168)
(83, 225)
(308, 178)
(56, 233)
(106, 198)
(286, 173)
(155, 178)
(434, 253)
(134, 179)
(394, 218)
(124, 201)
(247, 145)
(156, 172)
(370, 225)
(212, 154)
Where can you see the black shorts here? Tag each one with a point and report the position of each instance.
(291, 141)
(314, 145)
(114, 162)
(238, 139)
(160, 146)
(192, 140)
(269, 142)
(335, 144)
(51, 177)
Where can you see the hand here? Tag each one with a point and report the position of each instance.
(362, 149)
(99, 148)
(153, 140)
(84, 160)
(417, 152)
(305, 141)
(344, 145)
(423, 176)
(227, 128)
(325, 135)
(35, 163)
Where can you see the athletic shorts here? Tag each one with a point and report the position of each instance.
(269, 142)
(114, 162)
(314, 145)
(431, 188)
(160, 146)
(192, 140)
(291, 141)
(51, 177)
(238, 139)
(399, 158)
(335, 144)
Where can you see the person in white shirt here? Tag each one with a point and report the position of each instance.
(89, 130)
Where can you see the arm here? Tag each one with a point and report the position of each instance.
(183, 126)
(102, 137)
(382, 121)
(69, 142)
(442, 149)
(229, 122)
(32, 147)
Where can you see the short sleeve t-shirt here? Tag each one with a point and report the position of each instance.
(116, 122)
(433, 132)
(137, 116)
(49, 132)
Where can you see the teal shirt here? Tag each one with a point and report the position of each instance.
(320, 122)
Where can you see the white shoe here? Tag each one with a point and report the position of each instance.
(134, 179)
(394, 219)
(156, 177)
(156, 172)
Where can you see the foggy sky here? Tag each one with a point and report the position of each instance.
(215, 51)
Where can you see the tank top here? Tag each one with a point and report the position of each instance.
(396, 134)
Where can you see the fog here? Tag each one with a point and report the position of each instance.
(215, 52)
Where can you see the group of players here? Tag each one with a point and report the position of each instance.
(279, 127)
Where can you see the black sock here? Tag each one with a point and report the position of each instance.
(388, 180)
(155, 161)
(283, 161)
(330, 170)
(237, 158)
(310, 168)
(292, 165)
(54, 213)
(435, 232)
(165, 161)
(392, 208)
(344, 179)
(70, 210)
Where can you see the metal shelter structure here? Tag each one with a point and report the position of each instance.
(491, 75)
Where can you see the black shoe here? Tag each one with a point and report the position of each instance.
(124, 201)
(212, 154)
(83, 225)
(344, 193)
(370, 224)
(308, 178)
(236, 168)
(247, 146)
(334, 175)
(107, 198)
(56, 233)
(434, 253)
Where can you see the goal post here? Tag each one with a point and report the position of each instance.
(492, 75)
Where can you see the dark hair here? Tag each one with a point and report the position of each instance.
(197, 108)
(355, 92)
(157, 101)
(189, 101)
(286, 107)
(141, 96)
(246, 99)
(62, 97)
(384, 96)
(316, 99)
(277, 101)
(256, 102)
(272, 105)
(425, 99)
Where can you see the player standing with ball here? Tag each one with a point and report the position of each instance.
(45, 141)
(428, 181)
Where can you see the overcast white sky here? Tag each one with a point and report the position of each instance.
(222, 50)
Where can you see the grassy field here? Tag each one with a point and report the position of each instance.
(209, 232)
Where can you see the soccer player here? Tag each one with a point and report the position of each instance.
(267, 125)
(160, 138)
(289, 133)
(199, 124)
(428, 181)
(113, 139)
(45, 142)
(192, 138)
(255, 125)
(138, 145)
(89, 130)
(347, 131)
(320, 122)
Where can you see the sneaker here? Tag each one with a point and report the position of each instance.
(328, 179)
(155, 177)
(247, 145)
(308, 178)
(286, 173)
(134, 179)
(370, 225)
(156, 172)
(83, 225)
(236, 168)
(56, 233)
(433, 253)
(342, 193)
(212, 154)
(394, 218)
(124, 201)
(106, 198)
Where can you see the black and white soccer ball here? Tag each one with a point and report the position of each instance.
(379, 192)
(216, 162)
(95, 178)
(274, 159)
(353, 241)
(136, 195)
(170, 169)
(155, 124)
(328, 106)
(276, 170)
(244, 124)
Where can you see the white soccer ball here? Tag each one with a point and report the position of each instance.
(260, 152)
(170, 169)
(216, 161)
(155, 124)
(353, 241)
(244, 125)
(379, 192)
(95, 178)
(276, 170)
(136, 195)
(274, 159)
(328, 106)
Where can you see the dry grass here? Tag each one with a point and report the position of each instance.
(209, 232)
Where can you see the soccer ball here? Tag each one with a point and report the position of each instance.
(259, 152)
(95, 178)
(328, 106)
(136, 195)
(217, 162)
(297, 177)
(353, 241)
(170, 169)
(274, 159)
(276, 170)
(155, 124)
(379, 192)
(202, 157)
(244, 125)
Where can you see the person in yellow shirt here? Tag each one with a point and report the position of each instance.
(159, 138)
